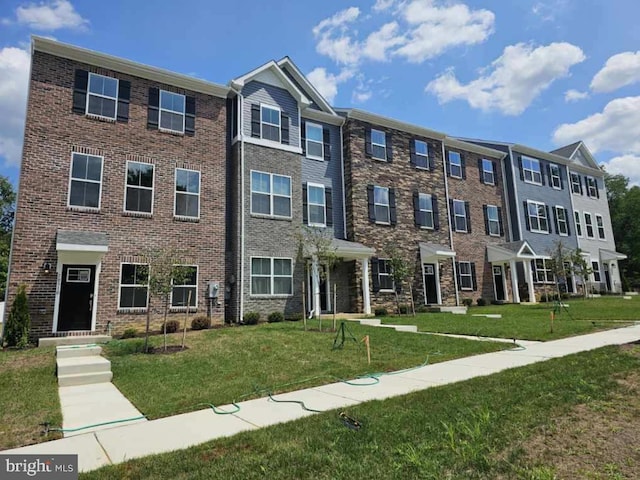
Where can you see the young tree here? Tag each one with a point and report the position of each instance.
(581, 268)
(560, 263)
(7, 208)
(19, 322)
(401, 272)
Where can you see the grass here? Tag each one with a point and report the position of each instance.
(223, 365)
(530, 322)
(28, 396)
(472, 429)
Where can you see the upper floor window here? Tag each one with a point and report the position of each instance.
(185, 287)
(422, 154)
(316, 205)
(381, 204)
(554, 174)
(102, 98)
(487, 174)
(172, 110)
(588, 223)
(493, 221)
(576, 183)
(187, 200)
(600, 225)
(466, 275)
(460, 216)
(86, 181)
(562, 225)
(314, 139)
(455, 164)
(270, 194)
(271, 276)
(531, 170)
(424, 210)
(537, 216)
(576, 214)
(592, 187)
(134, 285)
(378, 144)
(270, 123)
(385, 274)
(139, 188)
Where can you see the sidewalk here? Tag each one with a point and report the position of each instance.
(119, 444)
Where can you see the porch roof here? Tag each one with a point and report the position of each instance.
(351, 250)
(430, 251)
(608, 255)
(517, 251)
(70, 240)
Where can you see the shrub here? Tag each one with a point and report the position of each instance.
(172, 326)
(201, 322)
(293, 317)
(380, 312)
(18, 322)
(625, 283)
(251, 318)
(130, 333)
(422, 309)
(404, 309)
(467, 302)
(275, 317)
(481, 302)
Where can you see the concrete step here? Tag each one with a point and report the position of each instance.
(401, 328)
(69, 351)
(454, 310)
(372, 322)
(75, 365)
(84, 378)
(631, 293)
(71, 340)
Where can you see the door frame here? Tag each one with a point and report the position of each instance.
(436, 266)
(327, 285)
(504, 283)
(56, 309)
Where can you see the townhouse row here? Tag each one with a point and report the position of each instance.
(121, 159)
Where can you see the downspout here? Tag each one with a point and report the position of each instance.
(446, 193)
(344, 193)
(240, 281)
(505, 197)
(515, 194)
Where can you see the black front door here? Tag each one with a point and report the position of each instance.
(76, 297)
(498, 281)
(607, 277)
(430, 284)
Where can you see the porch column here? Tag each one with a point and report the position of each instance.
(528, 272)
(315, 286)
(514, 281)
(504, 281)
(365, 286)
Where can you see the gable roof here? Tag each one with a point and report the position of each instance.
(287, 64)
(567, 150)
(570, 152)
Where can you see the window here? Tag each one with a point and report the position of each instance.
(102, 98)
(537, 213)
(488, 175)
(172, 111)
(465, 274)
(315, 146)
(270, 123)
(561, 220)
(422, 154)
(493, 220)
(134, 285)
(600, 225)
(385, 277)
(576, 214)
(86, 181)
(78, 275)
(531, 170)
(378, 144)
(555, 180)
(588, 222)
(316, 205)
(139, 188)
(541, 271)
(425, 210)
(381, 204)
(576, 184)
(455, 164)
(270, 194)
(271, 276)
(460, 216)
(187, 201)
(595, 266)
(592, 187)
(188, 282)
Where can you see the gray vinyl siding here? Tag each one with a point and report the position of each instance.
(257, 92)
(329, 175)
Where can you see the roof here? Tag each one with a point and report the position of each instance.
(435, 250)
(567, 150)
(389, 122)
(85, 241)
(347, 249)
(517, 251)
(608, 255)
(287, 64)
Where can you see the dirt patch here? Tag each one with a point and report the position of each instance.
(597, 440)
(220, 451)
(170, 350)
(14, 359)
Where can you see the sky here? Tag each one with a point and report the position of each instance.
(544, 73)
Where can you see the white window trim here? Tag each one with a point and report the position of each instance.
(578, 183)
(271, 276)
(533, 172)
(455, 226)
(427, 211)
(556, 209)
(178, 308)
(594, 186)
(459, 165)
(115, 110)
(586, 226)
(598, 271)
(175, 193)
(552, 176)
(389, 274)
(160, 110)
(271, 195)
(470, 275)
(545, 269)
(578, 223)
(388, 205)
(379, 144)
(80, 207)
(306, 138)
(279, 125)
(598, 227)
(78, 269)
(324, 205)
(491, 172)
(126, 186)
(120, 285)
(497, 222)
(537, 230)
(421, 155)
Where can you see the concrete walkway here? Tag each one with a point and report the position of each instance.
(515, 341)
(123, 443)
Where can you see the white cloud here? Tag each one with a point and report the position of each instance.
(333, 39)
(619, 70)
(575, 95)
(380, 41)
(327, 83)
(49, 16)
(549, 10)
(14, 81)
(616, 128)
(382, 5)
(627, 165)
(361, 96)
(516, 78)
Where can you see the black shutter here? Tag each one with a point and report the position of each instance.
(548, 219)
(463, 164)
(80, 84)
(124, 95)
(436, 213)
(595, 181)
(372, 210)
(389, 144)
(542, 172)
(473, 276)
(368, 151)
(495, 173)
(305, 205)
(303, 136)
(417, 218)
(486, 219)
(326, 140)
(375, 274)
(548, 165)
(520, 167)
(328, 201)
(432, 156)
(566, 216)
(580, 182)
(526, 215)
(392, 206)
(190, 116)
(500, 221)
(452, 217)
(412, 152)
(255, 120)
(458, 279)
(284, 127)
(480, 170)
(447, 163)
(153, 111)
(555, 220)
(467, 212)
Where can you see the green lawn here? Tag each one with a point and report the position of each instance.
(480, 428)
(530, 322)
(28, 396)
(226, 364)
